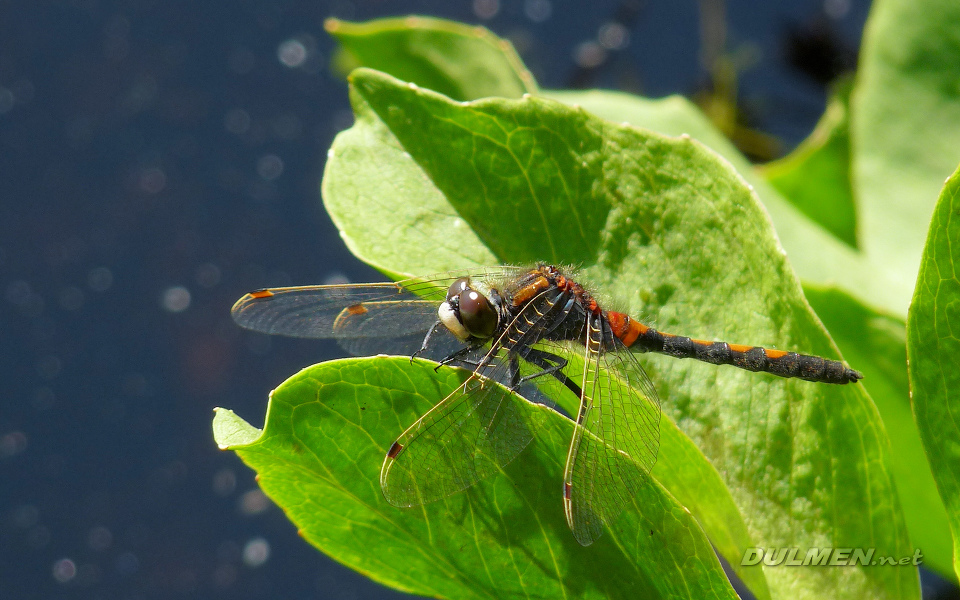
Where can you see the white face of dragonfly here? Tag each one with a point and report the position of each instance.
(467, 313)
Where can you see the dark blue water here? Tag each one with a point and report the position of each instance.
(157, 160)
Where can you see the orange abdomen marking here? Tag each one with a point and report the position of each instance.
(625, 328)
(260, 294)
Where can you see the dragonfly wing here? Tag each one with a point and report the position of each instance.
(441, 345)
(470, 435)
(375, 312)
(475, 431)
(617, 438)
(334, 311)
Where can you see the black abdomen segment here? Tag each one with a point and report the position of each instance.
(751, 358)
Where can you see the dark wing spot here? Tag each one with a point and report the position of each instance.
(394, 450)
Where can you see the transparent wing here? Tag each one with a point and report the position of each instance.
(364, 318)
(616, 444)
(478, 429)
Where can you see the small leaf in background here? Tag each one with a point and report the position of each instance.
(667, 229)
(457, 60)
(876, 343)
(905, 130)
(815, 176)
(933, 347)
(319, 455)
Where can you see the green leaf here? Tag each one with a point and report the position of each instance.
(454, 59)
(230, 430)
(671, 231)
(817, 254)
(815, 177)
(933, 349)
(905, 129)
(327, 431)
(412, 49)
(876, 343)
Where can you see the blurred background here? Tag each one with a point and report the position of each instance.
(160, 158)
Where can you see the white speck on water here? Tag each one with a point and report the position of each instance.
(292, 53)
(836, 9)
(175, 299)
(256, 552)
(486, 9)
(100, 279)
(64, 570)
(253, 503)
(613, 36)
(269, 167)
(538, 11)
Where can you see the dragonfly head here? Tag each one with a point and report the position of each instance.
(467, 313)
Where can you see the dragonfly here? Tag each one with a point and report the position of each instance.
(527, 334)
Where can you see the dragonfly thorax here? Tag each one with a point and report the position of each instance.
(467, 313)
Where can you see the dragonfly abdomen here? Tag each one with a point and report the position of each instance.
(751, 358)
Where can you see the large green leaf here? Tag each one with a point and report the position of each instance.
(454, 59)
(933, 347)
(905, 129)
(815, 177)
(815, 251)
(319, 455)
(669, 229)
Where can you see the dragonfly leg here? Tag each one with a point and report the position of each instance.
(552, 365)
(426, 340)
(458, 354)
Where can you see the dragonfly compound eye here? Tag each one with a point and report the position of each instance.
(458, 287)
(476, 314)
